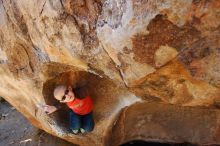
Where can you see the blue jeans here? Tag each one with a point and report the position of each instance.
(81, 121)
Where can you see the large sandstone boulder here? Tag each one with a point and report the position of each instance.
(151, 66)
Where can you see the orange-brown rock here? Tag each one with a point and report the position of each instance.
(151, 67)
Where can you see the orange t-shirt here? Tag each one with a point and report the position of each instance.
(81, 106)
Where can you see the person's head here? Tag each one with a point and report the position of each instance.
(64, 93)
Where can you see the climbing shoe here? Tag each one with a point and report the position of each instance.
(82, 130)
(75, 131)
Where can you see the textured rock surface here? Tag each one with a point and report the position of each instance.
(125, 51)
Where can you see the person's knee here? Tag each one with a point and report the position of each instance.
(88, 123)
(74, 121)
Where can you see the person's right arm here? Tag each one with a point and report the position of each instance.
(49, 108)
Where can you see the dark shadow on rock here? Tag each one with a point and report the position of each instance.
(145, 143)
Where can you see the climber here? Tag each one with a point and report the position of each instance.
(80, 104)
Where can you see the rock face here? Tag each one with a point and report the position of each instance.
(162, 54)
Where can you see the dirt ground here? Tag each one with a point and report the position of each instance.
(15, 130)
